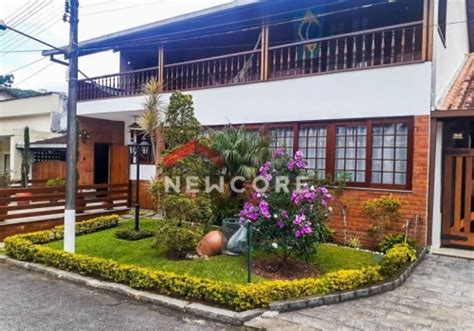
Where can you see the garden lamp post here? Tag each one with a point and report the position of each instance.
(137, 151)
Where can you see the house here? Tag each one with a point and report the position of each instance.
(355, 85)
(44, 114)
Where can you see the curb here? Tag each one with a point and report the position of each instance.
(212, 313)
(316, 301)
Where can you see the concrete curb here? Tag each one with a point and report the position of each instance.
(316, 301)
(215, 313)
(212, 313)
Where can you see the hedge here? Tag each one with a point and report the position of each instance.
(236, 296)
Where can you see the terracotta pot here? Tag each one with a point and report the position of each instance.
(23, 195)
(211, 244)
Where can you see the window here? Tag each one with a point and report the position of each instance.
(351, 144)
(6, 163)
(442, 19)
(282, 137)
(389, 153)
(312, 142)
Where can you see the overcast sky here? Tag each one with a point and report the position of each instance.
(43, 19)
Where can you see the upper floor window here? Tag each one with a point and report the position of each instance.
(442, 19)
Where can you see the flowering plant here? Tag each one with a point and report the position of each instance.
(289, 220)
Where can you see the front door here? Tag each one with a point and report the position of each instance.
(101, 163)
(458, 185)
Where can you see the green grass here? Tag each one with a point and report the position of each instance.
(104, 244)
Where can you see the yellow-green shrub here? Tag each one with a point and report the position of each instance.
(237, 296)
(397, 256)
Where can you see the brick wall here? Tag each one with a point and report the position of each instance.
(414, 202)
(101, 131)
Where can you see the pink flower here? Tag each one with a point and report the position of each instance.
(299, 219)
(278, 152)
(281, 224)
(263, 207)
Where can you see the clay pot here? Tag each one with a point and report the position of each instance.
(23, 195)
(211, 244)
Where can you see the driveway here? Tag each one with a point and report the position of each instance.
(439, 295)
(33, 301)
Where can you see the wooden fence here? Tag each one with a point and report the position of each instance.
(17, 203)
(48, 170)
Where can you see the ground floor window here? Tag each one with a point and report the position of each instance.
(6, 163)
(370, 153)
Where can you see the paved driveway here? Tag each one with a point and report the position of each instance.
(32, 301)
(439, 295)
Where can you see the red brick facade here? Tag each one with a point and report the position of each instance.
(414, 202)
(101, 131)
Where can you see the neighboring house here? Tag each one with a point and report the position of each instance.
(43, 113)
(352, 84)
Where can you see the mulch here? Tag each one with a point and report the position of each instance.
(272, 268)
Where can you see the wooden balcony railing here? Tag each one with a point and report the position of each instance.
(115, 85)
(370, 48)
(392, 45)
(215, 71)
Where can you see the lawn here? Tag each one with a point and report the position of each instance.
(225, 268)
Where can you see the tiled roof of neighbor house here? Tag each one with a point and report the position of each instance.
(52, 141)
(19, 93)
(461, 94)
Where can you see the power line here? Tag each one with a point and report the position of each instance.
(32, 28)
(35, 73)
(30, 14)
(26, 65)
(121, 8)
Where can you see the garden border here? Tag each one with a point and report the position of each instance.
(215, 313)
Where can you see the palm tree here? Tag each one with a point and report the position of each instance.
(243, 151)
(149, 120)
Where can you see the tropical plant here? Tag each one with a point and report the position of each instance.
(6, 80)
(243, 151)
(178, 237)
(26, 158)
(180, 123)
(187, 209)
(149, 120)
(288, 223)
(381, 211)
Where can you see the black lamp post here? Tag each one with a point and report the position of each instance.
(137, 151)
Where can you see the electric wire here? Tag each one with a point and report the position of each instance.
(34, 74)
(26, 65)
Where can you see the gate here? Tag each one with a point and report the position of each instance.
(458, 198)
(48, 170)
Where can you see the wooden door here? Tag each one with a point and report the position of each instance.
(458, 199)
(119, 164)
(48, 170)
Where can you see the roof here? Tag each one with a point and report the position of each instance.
(52, 141)
(461, 94)
(156, 27)
(19, 93)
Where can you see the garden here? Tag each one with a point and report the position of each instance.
(240, 231)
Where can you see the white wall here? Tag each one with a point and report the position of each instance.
(450, 59)
(391, 91)
(147, 171)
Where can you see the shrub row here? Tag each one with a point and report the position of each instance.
(236, 296)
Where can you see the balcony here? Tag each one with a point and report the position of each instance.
(388, 46)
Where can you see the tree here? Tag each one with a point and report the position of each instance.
(6, 80)
(149, 120)
(180, 124)
(26, 158)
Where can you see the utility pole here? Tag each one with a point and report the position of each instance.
(71, 151)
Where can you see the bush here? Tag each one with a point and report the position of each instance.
(397, 256)
(392, 239)
(381, 211)
(93, 225)
(179, 237)
(187, 209)
(56, 182)
(132, 234)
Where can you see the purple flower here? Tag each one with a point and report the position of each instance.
(284, 213)
(248, 212)
(291, 164)
(278, 152)
(299, 219)
(264, 211)
(298, 233)
(306, 229)
(281, 224)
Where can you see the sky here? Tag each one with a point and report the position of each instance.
(43, 20)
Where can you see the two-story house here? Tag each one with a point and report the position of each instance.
(352, 84)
